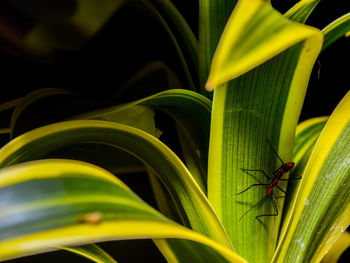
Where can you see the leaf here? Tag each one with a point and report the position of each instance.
(331, 239)
(191, 112)
(22, 105)
(156, 8)
(44, 204)
(6, 110)
(262, 104)
(306, 135)
(48, 105)
(150, 79)
(342, 243)
(92, 252)
(210, 33)
(301, 11)
(87, 152)
(323, 195)
(38, 143)
(335, 30)
(238, 51)
(182, 33)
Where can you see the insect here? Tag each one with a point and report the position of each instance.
(273, 182)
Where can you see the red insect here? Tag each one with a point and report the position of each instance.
(273, 182)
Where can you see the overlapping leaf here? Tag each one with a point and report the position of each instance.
(307, 133)
(192, 203)
(190, 110)
(45, 205)
(320, 202)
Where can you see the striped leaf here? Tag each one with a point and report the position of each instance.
(48, 204)
(335, 30)
(301, 11)
(306, 135)
(191, 112)
(92, 252)
(321, 207)
(194, 206)
(342, 243)
(210, 32)
(262, 104)
(255, 22)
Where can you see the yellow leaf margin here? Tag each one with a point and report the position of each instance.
(224, 68)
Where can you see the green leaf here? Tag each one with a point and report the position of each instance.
(323, 195)
(92, 252)
(150, 79)
(191, 112)
(182, 33)
(336, 30)
(239, 51)
(28, 100)
(342, 243)
(6, 111)
(261, 104)
(330, 240)
(210, 33)
(45, 205)
(38, 143)
(87, 152)
(156, 8)
(306, 135)
(49, 105)
(301, 11)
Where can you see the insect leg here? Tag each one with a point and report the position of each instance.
(274, 151)
(298, 177)
(256, 170)
(274, 205)
(281, 189)
(258, 203)
(250, 187)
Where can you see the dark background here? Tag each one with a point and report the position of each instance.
(125, 44)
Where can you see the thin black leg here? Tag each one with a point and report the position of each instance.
(281, 189)
(274, 205)
(250, 187)
(258, 203)
(291, 178)
(283, 196)
(274, 151)
(256, 170)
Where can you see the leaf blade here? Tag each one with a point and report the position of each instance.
(338, 28)
(261, 104)
(37, 143)
(126, 216)
(316, 195)
(92, 252)
(238, 52)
